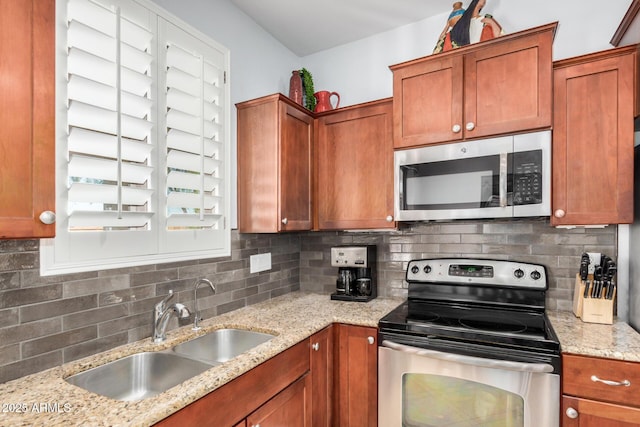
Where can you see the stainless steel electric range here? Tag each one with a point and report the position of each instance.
(471, 346)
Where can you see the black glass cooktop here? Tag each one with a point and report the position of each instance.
(482, 324)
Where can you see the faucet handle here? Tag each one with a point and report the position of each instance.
(162, 304)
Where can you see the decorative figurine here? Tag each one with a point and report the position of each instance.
(470, 27)
(454, 16)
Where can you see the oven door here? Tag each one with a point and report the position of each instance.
(492, 178)
(427, 388)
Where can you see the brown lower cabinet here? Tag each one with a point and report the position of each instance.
(596, 394)
(261, 392)
(356, 375)
(290, 407)
(327, 380)
(321, 361)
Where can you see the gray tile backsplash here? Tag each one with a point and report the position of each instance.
(522, 240)
(47, 321)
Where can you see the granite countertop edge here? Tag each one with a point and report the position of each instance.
(45, 398)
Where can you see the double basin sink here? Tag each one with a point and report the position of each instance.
(143, 375)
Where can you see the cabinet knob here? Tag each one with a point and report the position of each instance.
(389, 218)
(285, 221)
(571, 413)
(456, 128)
(371, 340)
(315, 346)
(47, 217)
(559, 213)
(471, 126)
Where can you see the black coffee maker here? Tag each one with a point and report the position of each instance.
(356, 273)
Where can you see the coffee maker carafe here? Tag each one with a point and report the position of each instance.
(356, 272)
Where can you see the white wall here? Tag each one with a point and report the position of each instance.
(260, 65)
(359, 71)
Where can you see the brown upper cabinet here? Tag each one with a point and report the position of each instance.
(275, 154)
(595, 101)
(495, 87)
(354, 155)
(27, 119)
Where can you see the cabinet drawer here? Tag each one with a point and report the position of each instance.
(579, 375)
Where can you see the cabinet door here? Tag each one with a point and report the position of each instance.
(275, 143)
(231, 403)
(590, 413)
(427, 102)
(296, 154)
(322, 377)
(593, 141)
(356, 397)
(355, 168)
(507, 86)
(27, 117)
(290, 407)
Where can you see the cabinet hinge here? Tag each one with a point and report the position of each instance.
(224, 77)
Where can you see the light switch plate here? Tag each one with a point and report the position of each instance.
(260, 262)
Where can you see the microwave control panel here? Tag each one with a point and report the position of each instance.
(527, 177)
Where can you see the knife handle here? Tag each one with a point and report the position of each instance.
(586, 288)
(584, 266)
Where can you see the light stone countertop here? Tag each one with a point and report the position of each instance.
(47, 400)
(617, 341)
(292, 317)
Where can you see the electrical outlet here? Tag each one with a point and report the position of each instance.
(260, 262)
(594, 259)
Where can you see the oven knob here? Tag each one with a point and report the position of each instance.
(519, 274)
(427, 269)
(535, 275)
(415, 269)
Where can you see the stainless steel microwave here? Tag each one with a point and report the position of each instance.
(507, 176)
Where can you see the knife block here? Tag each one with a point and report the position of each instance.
(592, 310)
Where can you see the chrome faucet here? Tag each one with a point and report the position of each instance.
(161, 316)
(196, 317)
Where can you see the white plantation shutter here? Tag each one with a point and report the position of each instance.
(193, 125)
(109, 107)
(142, 148)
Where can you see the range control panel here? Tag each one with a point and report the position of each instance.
(496, 273)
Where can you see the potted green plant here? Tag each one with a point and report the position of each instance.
(307, 87)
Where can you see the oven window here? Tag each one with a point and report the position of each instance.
(440, 401)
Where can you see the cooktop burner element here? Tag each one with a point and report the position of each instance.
(487, 308)
(492, 324)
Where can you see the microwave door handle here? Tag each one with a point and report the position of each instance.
(470, 360)
(503, 180)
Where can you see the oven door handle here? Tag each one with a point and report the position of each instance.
(470, 360)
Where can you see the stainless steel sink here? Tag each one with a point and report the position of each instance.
(221, 345)
(138, 376)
